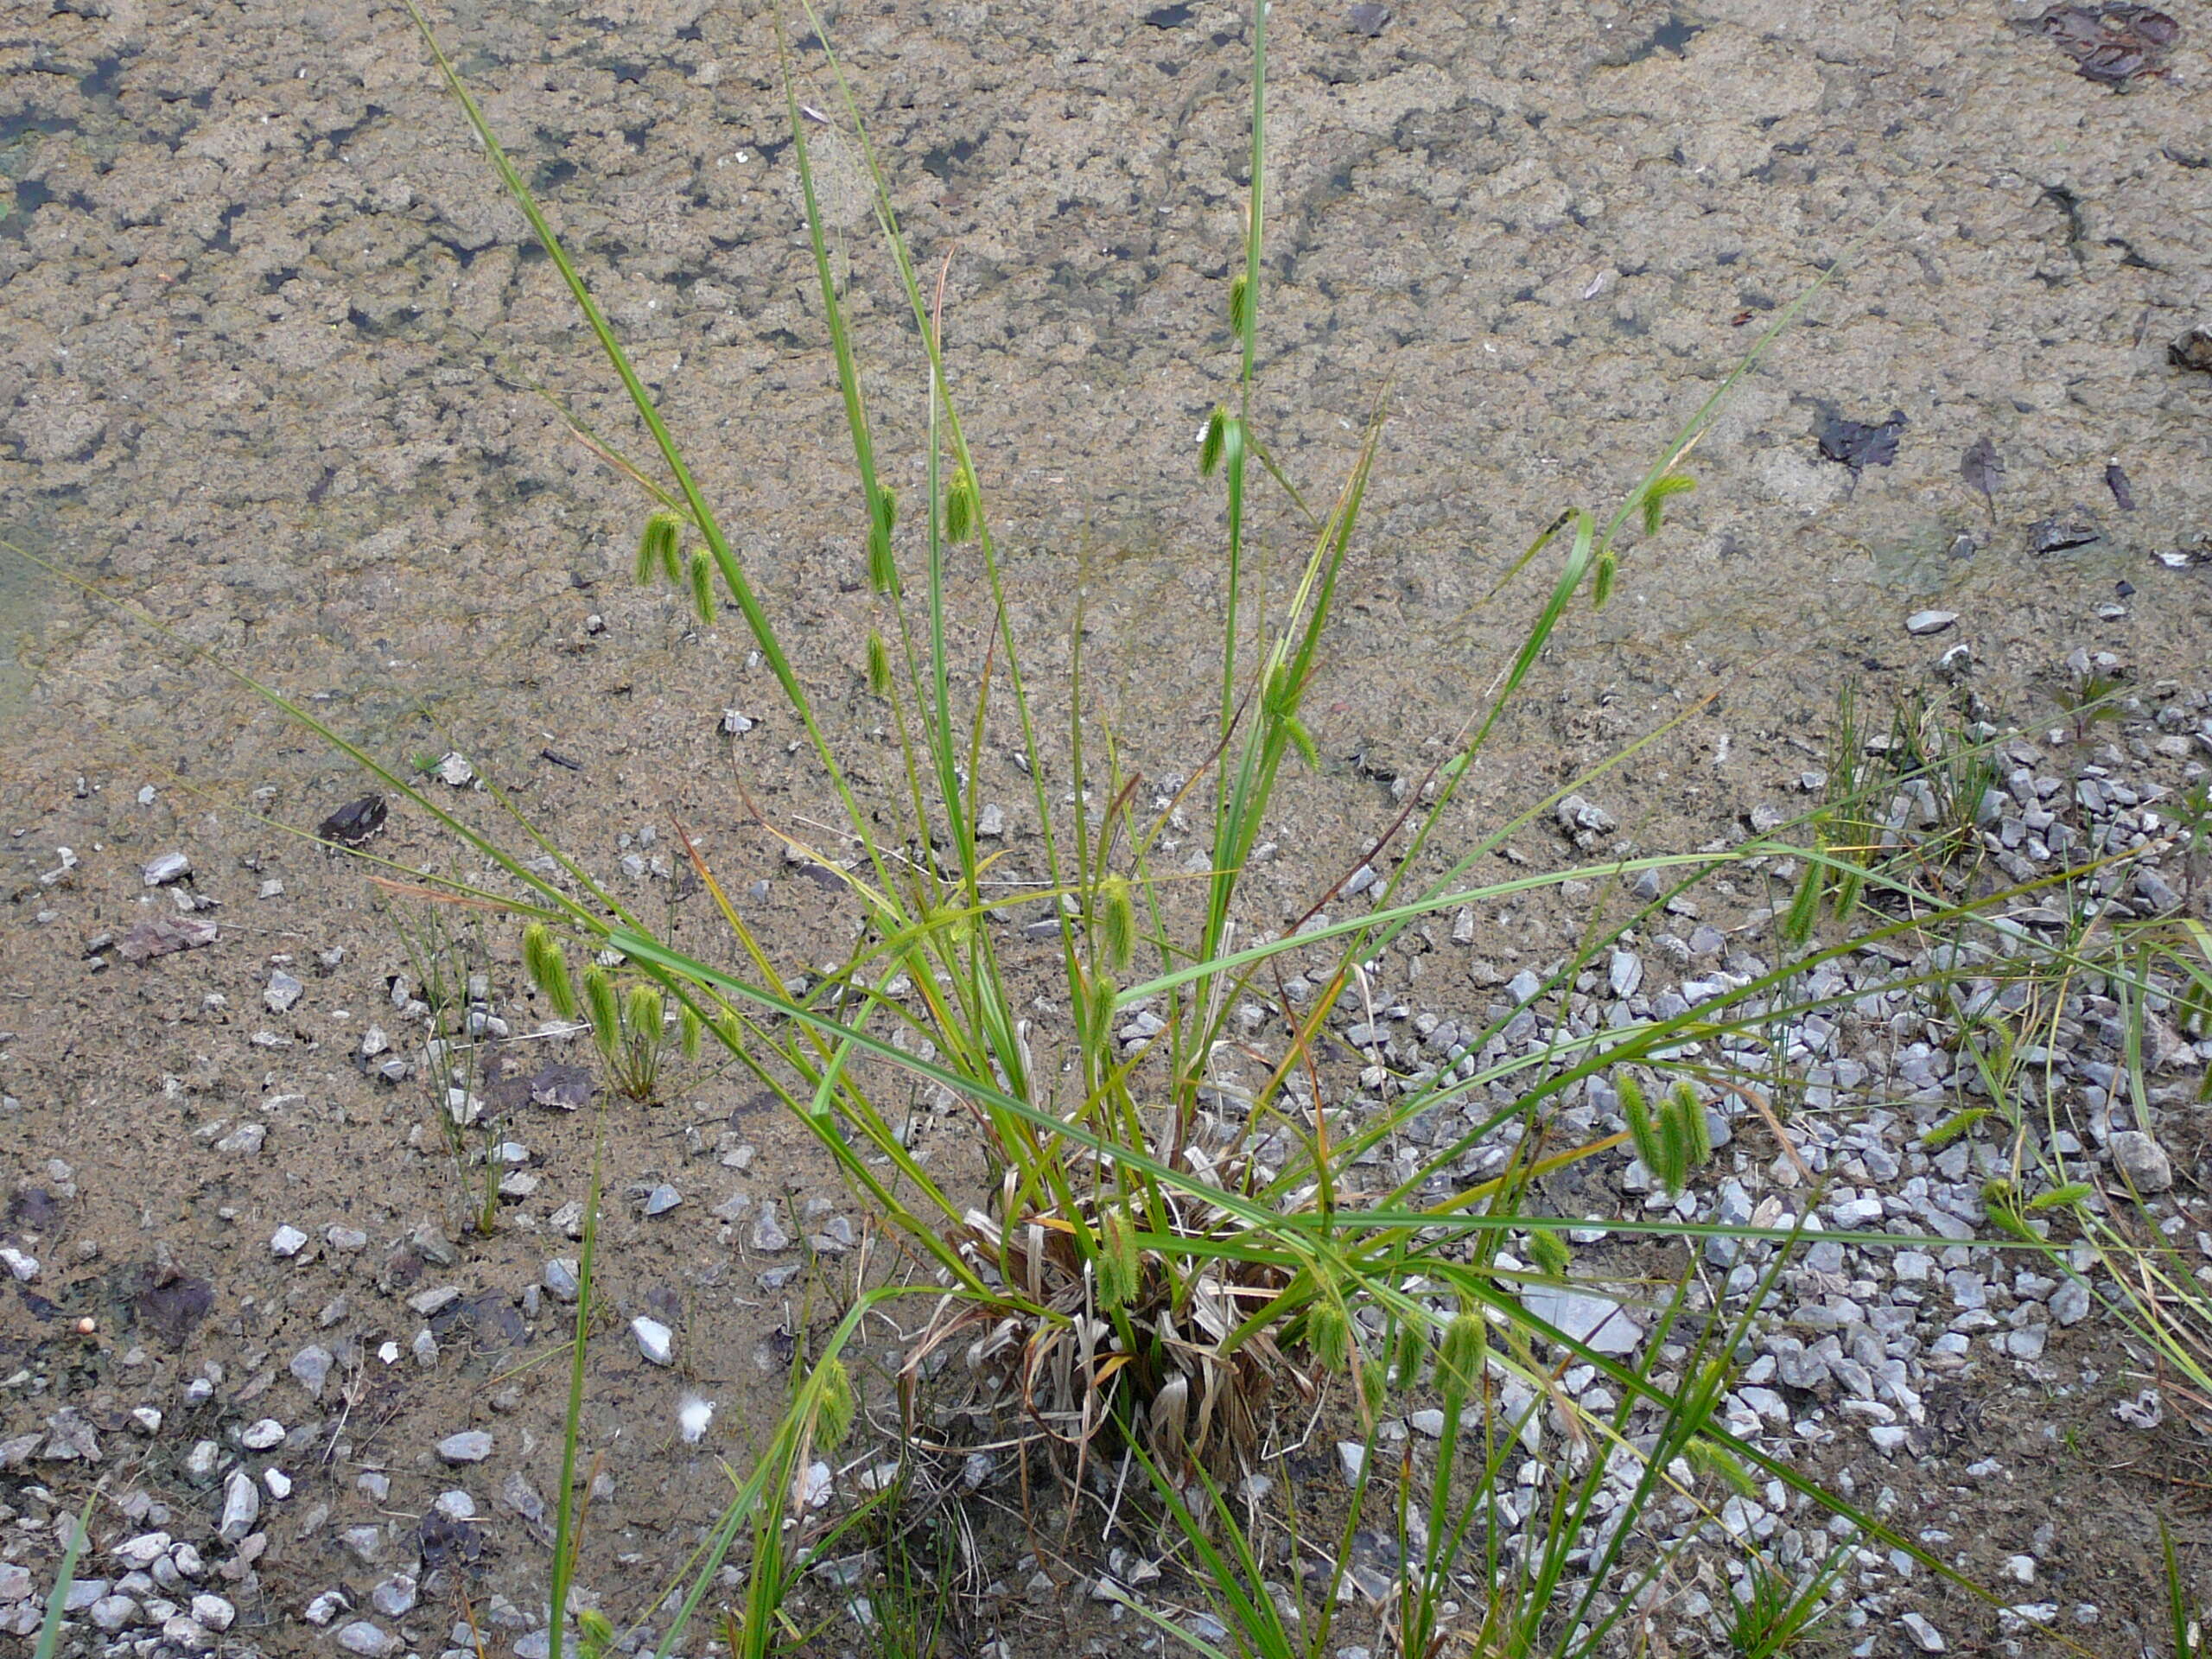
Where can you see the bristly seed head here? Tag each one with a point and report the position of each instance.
(879, 665)
(657, 546)
(1118, 917)
(702, 587)
(961, 506)
(603, 1007)
(1209, 442)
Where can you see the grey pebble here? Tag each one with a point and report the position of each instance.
(470, 1445)
(283, 991)
(371, 1641)
(655, 1340)
(2142, 1160)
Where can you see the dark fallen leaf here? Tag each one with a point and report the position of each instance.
(446, 1541)
(2112, 42)
(560, 760)
(2116, 481)
(823, 875)
(162, 934)
(1169, 16)
(1369, 20)
(37, 1306)
(763, 1101)
(565, 1088)
(2055, 534)
(489, 1319)
(171, 1311)
(354, 822)
(33, 1210)
(1859, 444)
(1981, 467)
(2192, 351)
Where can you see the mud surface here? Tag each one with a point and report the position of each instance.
(280, 369)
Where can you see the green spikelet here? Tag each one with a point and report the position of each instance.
(1118, 917)
(1117, 1260)
(1328, 1332)
(727, 1028)
(960, 507)
(1661, 491)
(1210, 444)
(1673, 1170)
(834, 1405)
(671, 557)
(1302, 740)
(1373, 1381)
(1413, 1348)
(657, 544)
(882, 568)
(1952, 1127)
(2060, 1198)
(879, 665)
(1707, 1458)
(595, 1633)
(1641, 1133)
(1549, 1251)
(548, 966)
(1697, 1134)
(1601, 585)
(1240, 296)
(603, 1008)
(702, 587)
(694, 1030)
(887, 508)
(642, 1014)
(1805, 907)
(1461, 1356)
(1102, 993)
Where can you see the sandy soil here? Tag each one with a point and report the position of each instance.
(274, 354)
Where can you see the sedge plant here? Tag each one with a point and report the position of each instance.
(1167, 1228)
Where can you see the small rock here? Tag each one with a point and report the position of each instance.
(261, 1435)
(435, 1300)
(455, 772)
(324, 1608)
(768, 1234)
(1598, 1322)
(1351, 1458)
(470, 1445)
(283, 991)
(1929, 1638)
(559, 1276)
(241, 1507)
(1925, 622)
(212, 1612)
(278, 1482)
(394, 1597)
(661, 1199)
(2142, 1160)
(287, 1241)
(369, 1641)
(2069, 1303)
(169, 866)
(655, 1340)
(112, 1613)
